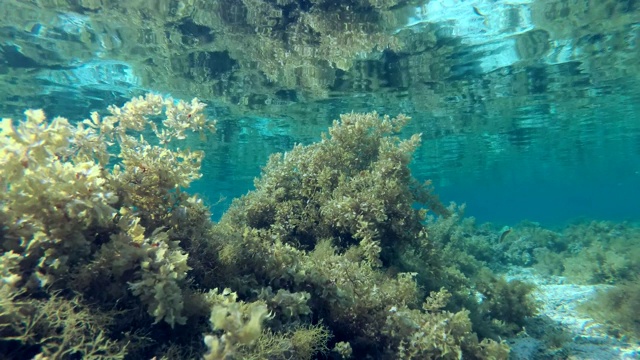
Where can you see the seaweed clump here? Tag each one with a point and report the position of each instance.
(85, 217)
(617, 308)
(586, 252)
(104, 255)
(333, 219)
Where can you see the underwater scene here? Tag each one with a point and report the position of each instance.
(319, 179)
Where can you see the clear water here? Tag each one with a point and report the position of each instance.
(528, 109)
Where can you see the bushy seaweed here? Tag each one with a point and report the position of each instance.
(617, 308)
(106, 256)
(338, 219)
(88, 213)
(593, 252)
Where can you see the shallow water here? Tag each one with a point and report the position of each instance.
(529, 112)
(528, 109)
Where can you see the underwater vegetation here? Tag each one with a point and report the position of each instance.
(601, 252)
(105, 255)
(618, 308)
(586, 252)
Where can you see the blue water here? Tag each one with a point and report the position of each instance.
(584, 165)
(527, 112)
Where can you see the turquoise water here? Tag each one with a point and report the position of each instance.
(529, 113)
